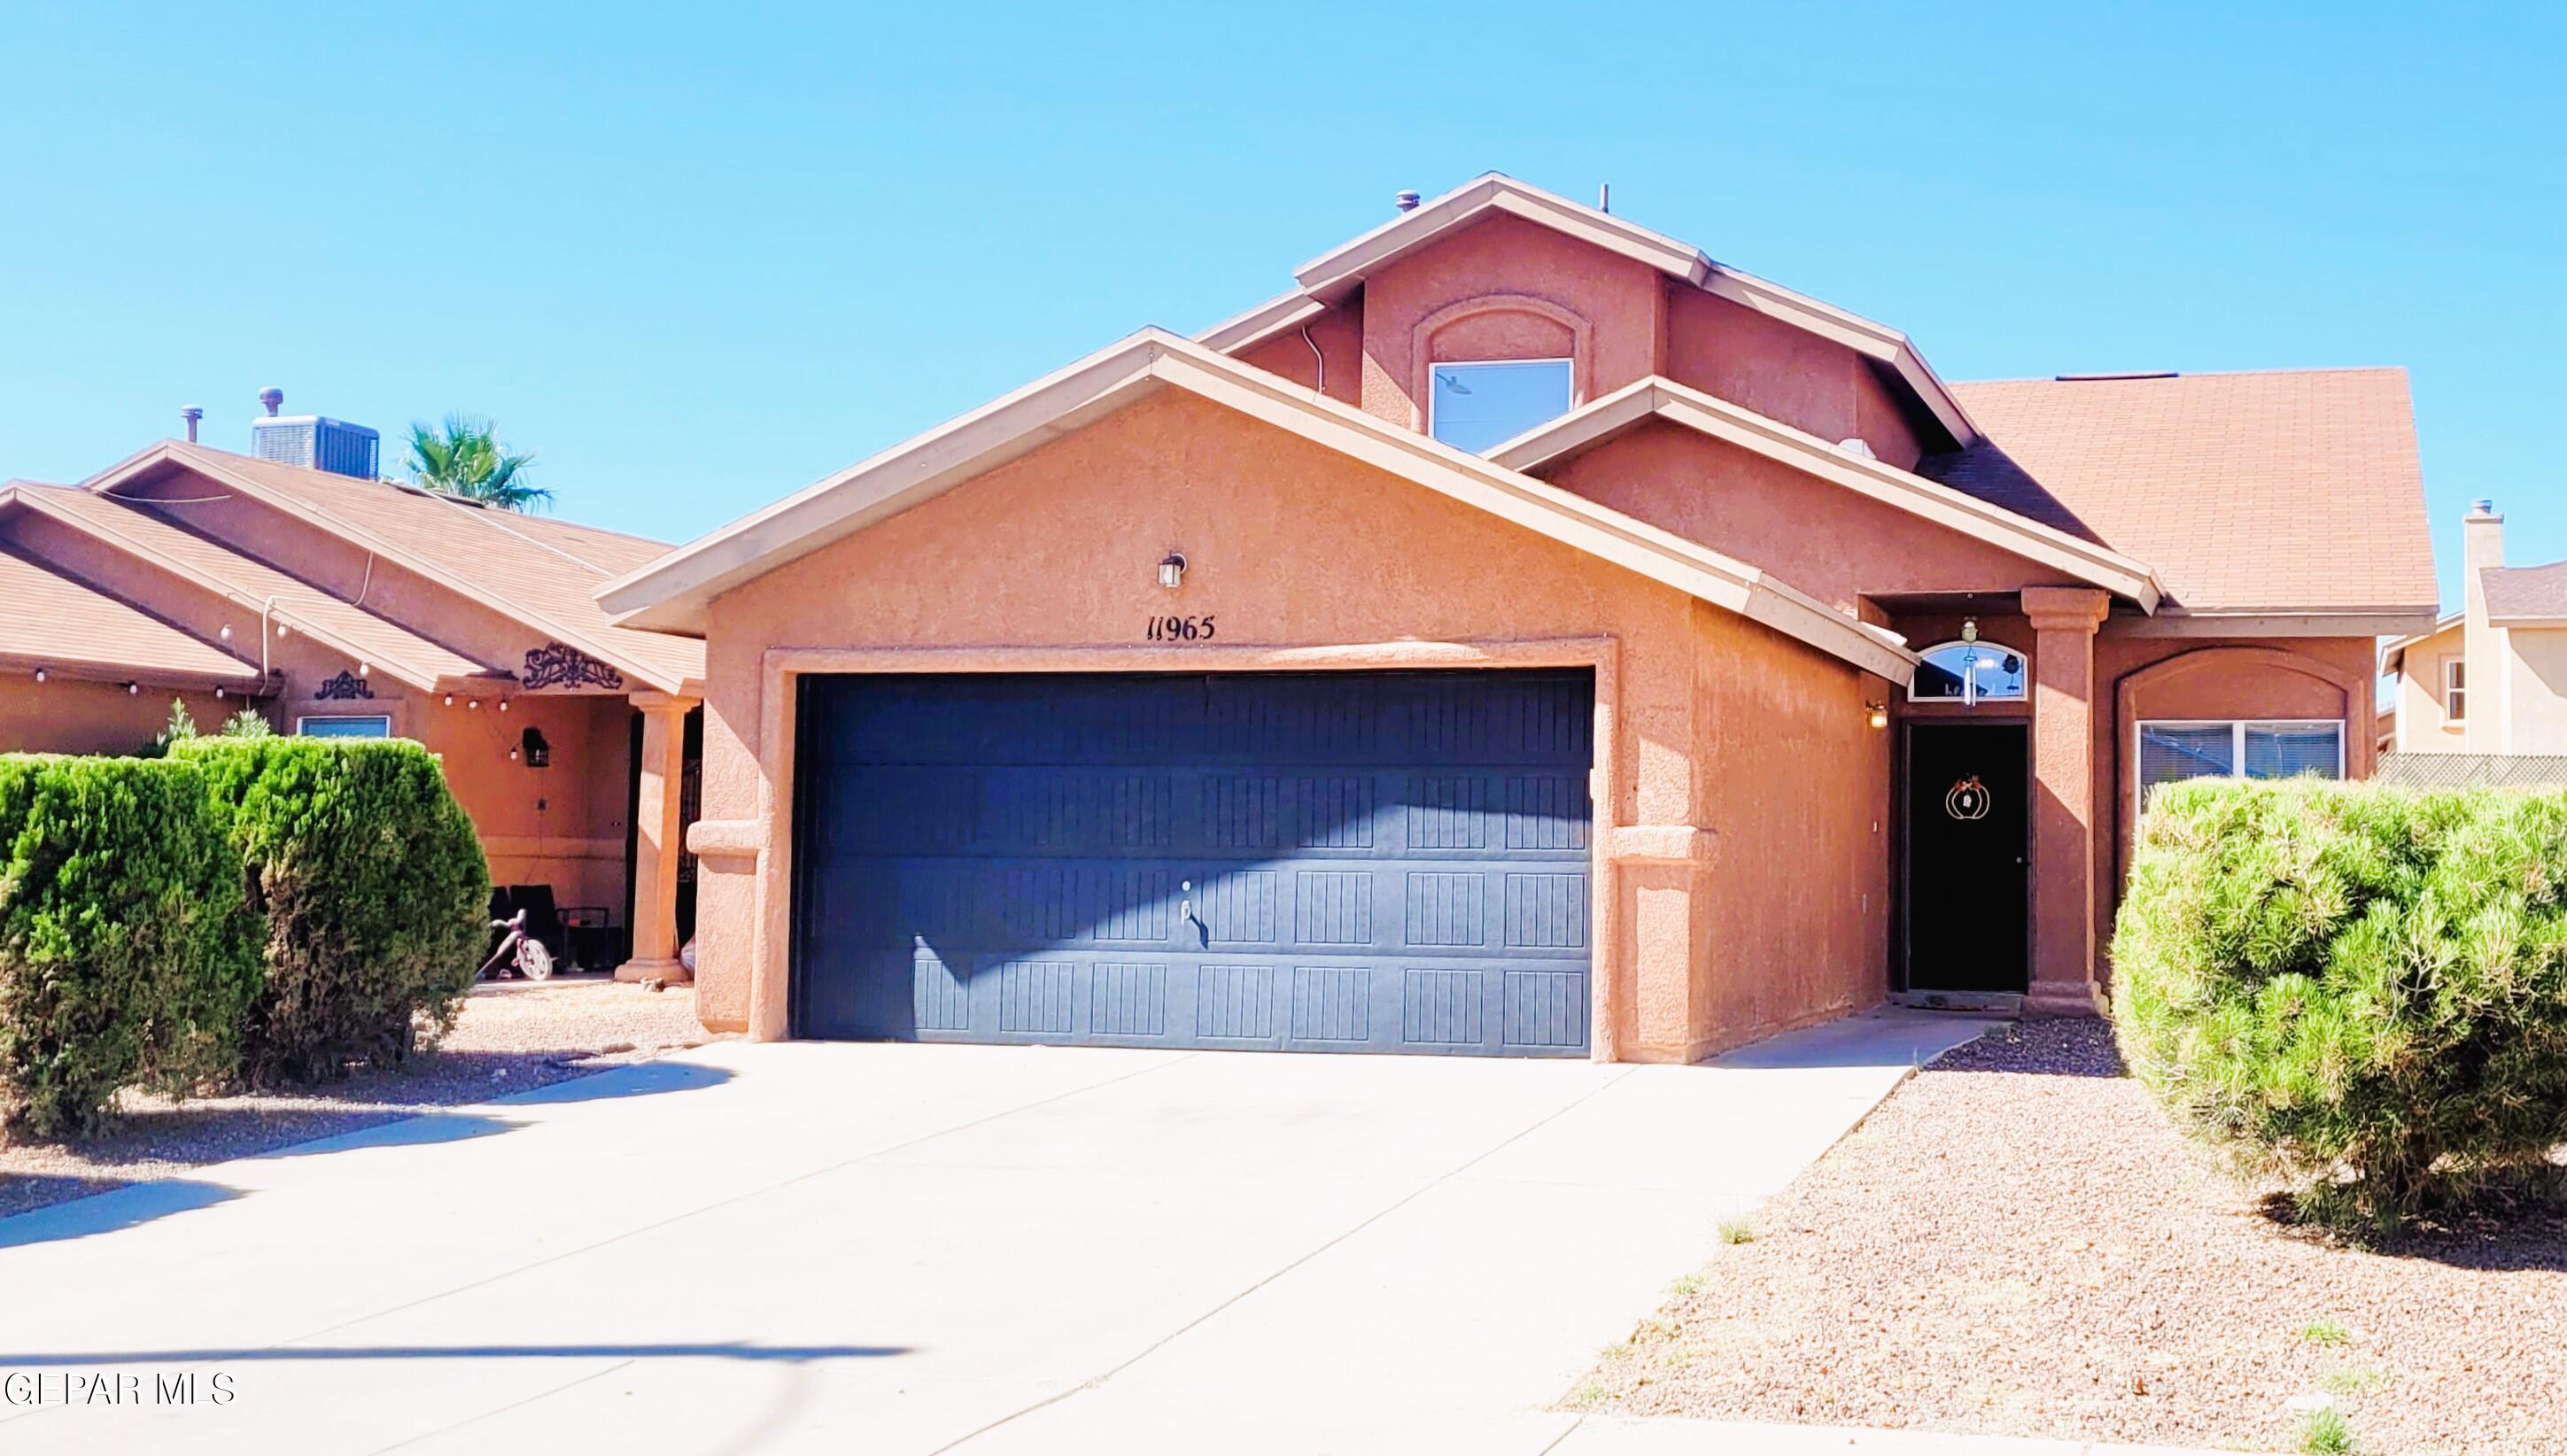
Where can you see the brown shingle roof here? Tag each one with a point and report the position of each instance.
(544, 572)
(2526, 591)
(56, 622)
(350, 628)
(2292, 491)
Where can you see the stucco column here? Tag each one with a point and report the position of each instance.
(655, 839)
(2063, 620)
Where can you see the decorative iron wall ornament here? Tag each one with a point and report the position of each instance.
(555, 664)
(345, 685)
(1967, 799)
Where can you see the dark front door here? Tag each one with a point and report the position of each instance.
(1300, 861)
(1969, 838)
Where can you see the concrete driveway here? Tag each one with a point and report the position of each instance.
(904, 1249)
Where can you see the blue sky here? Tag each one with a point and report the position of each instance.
(700, 256)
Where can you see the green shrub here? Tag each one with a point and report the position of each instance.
(374, 890)
(2361, 992)
(127, 952)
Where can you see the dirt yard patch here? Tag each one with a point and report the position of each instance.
(513, 1037)
(2017, 1244)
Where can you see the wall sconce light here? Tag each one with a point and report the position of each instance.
(539, 753)
(1876, 714)
(1172, 570)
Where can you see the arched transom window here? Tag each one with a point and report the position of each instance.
(1969, 672)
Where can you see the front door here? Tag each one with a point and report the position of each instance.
(1969, 838)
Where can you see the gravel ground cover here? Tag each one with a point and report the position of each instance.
(2016, 1242)
(513, 1037)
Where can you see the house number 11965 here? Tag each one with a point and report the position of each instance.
(1180, 629)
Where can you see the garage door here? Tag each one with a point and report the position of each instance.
(1308, 861)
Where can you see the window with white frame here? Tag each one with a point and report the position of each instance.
(2171, 751)
(1475, 404)
(345, 725)
(2455, 688)
(1969, 672)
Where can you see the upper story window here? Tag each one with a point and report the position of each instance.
(2455, 688)
(1969, 672)
(1475, 404)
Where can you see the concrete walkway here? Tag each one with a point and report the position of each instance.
(901, 1249)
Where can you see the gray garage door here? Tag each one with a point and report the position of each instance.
(1311, 861)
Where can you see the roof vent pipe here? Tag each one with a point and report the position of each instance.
(191, 414)
(2483, 506)
(1603, 196)
(273, 398)
(1406, 201)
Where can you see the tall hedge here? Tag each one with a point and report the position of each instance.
(2358, 992)
(373, 887)
(126, 950)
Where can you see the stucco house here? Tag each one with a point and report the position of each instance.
(1526, 635)
(339, 604)
(2491, 677)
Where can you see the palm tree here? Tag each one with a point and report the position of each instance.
(463, 457)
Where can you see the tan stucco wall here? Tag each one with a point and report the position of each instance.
(63, 716)
(1822, 538)
(1293, 546)
(2422, 728)
(564, 825)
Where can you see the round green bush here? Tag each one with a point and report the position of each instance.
(2358, 992)
(374, 892)
(126, 950)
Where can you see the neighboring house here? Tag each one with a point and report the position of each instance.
(1524, 636)
(346, 605)
(2490, 678)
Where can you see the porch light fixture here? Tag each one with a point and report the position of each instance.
(539, 753)
(1172, 570)
(1876, 714)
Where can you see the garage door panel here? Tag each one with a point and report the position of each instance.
(1337, 862)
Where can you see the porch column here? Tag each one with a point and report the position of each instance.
(656, 832)
(2063, 620)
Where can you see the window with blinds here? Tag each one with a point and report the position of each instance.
(2238, 748)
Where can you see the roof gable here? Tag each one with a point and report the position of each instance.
(58, 624)
(675, 592)
(1661, 399)
(1333, 275)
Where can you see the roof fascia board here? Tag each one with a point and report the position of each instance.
(1263, 322)
(1333, 274)
(410, 672)
(395, 553)
(16, 664)
(2391, 652)
(2282, 621)
(1929, 500)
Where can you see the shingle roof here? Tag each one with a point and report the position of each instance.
(2526, 591)
(2292, 491)
(347, 627)
(545, 572)
(57, 622)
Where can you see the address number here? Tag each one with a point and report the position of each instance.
(1180, 629)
